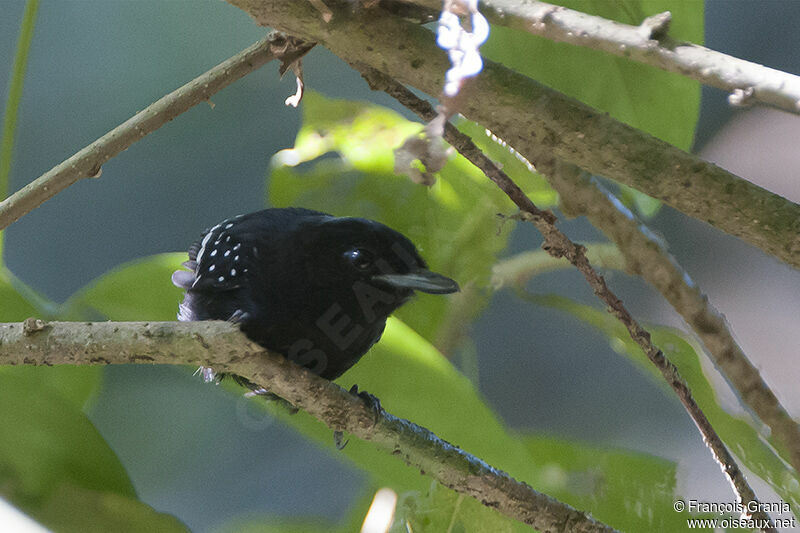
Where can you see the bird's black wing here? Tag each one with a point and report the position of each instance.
(220, 259)
(229, 254)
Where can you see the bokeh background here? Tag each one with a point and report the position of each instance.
(202, 453)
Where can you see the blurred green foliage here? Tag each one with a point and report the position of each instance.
(55, 466)
(753, 450)
(110, 297)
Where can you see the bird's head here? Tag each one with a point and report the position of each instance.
(379, 264)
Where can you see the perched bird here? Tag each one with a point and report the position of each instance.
(313, 287)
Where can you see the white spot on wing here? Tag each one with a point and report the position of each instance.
(211, 268)
(233, 272)
(204, 242)
(221, 279)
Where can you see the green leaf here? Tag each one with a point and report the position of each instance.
(13, 306)
(414, 381)
(279, 524)
(74, 509)
(74, 384)
(441, 509)
(453, 223)
(632, 490)
(664, 104)
(661, 103)
(138, 290)
(740, 437)
(54, 465)
(49, 442)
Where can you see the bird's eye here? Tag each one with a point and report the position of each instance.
(360, 258)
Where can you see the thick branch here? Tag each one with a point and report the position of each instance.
(559, 245)
(223, 346)
(645, 257)
(87, 163)
(648, 43)
(533, 118)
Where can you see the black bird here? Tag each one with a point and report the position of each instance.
(313, 287)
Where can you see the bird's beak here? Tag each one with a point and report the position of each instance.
(420, 280)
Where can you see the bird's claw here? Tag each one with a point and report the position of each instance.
(338, 440)
(371, 400)
(208, 375)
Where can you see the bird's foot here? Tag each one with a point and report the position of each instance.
(208, 374)
(371, 400)
(338, 440)
(238, 317)
(261, 392)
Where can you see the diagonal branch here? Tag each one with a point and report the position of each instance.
(747, 82)
(223, 346)
(559, 245)
(645, 257)
(88, 162)
(531, 117)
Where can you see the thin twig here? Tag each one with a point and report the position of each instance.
(649, 43)
(532, 117)
(88, 162)
(646, 258)
(559, 245)
(221, 345)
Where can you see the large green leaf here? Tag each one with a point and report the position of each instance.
(54, 464)
(73, 384)
(661, 103)
(13, 306)
(619, 486)
(740, 437)
(47, 442)
(74, 509)
(414, 381)
(440, 509)
(279, 524)
(453, 222)
(138, 290)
